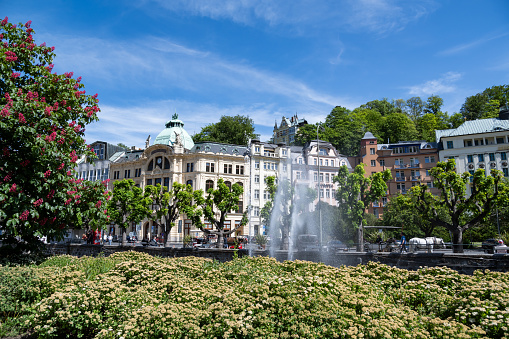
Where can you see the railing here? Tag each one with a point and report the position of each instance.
(400, 178)
(414, 177)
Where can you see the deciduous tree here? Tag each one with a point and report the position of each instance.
(235, 130)
(42, 122)
(463, 210)
(128, 205)
(355, 192)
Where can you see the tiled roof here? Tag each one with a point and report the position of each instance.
(475, 127)
(219, 148)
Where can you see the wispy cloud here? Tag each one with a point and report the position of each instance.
(444, 84)
(375, 16)
(469, 45)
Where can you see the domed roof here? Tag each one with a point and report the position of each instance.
(174, 128)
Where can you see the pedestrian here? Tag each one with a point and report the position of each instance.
(110, 238)
(403, 243)
(105, 238)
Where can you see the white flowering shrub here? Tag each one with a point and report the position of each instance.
(135, 295)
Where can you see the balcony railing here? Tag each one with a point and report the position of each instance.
(414, 177)
(400, 178)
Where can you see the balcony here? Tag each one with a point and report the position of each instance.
(400, 166)
(414, 165)
(414, 178)
(400, 178)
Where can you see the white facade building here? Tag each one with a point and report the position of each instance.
(482, 143)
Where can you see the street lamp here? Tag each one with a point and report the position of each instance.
(319, 187)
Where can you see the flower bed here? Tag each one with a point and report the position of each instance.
(134, 295)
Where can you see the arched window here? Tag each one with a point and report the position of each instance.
(209, 184)
(190, 183)
(150, 165)
(166, 163)
(229, 184)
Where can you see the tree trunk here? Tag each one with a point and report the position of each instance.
(360, 238)
(457, 240)
(166, 237)
(285, 238)
(220, 239)
(124, 240)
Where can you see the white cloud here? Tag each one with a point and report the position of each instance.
(444, 84)
(466, 46)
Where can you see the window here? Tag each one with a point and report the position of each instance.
(150, 165)
(257, 178)
(321, 177)
(167, 183)
(384, 201)
(400, 175)
(467, 143)
(326, 162)
(321, 193)
(323, 151)
(166, 164)
(430, 184)
(327, 193)
(315, 161)
(492, 156)
(91, 176)
(240, 207)
(382, 162)
(239, 169)
(209, 184)
(157, 181)
(315, 176)
(228, 168)
(256, 211)
(266, 195)
(300, 161)
(297, 175)
(373, 163)
(327, 177)
(116, 174)
(500, 140)
(257, 194)
(506, 172)
(257, 164)
(99, 151)
(430, 159)
(159, 162)
(321, 162)
(149, 182)
(479, 142)
(401, 187)
(106, 172)
(450, 144)
(209, 167)
(284, 168)
(190, 183)
(471, 175)
(284, 151)
(503, 156)
(375, 212)
(257, 149)
(127, 173)
(371, 151)
(427, 173)
(266, 165)
(190, 167)
(470, 158)
(480, 157)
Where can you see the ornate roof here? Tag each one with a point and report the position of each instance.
(174, 130)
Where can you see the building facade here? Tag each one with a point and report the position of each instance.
(286, 131)
(98, 169)
(482, 143)
(408, 161)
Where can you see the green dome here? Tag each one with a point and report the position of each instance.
(168, 136)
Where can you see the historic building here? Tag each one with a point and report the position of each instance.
(287, 129)
(475, 144)
(98, 169)
(175, 158)
(409, 162)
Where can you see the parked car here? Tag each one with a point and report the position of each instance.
(335, 245)
(488, 245)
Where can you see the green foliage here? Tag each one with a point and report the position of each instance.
(486, 104)
(454, 209)
(260, 240)
(235, 130)
(215, 207)
(147, 297)
(128, 204)
(356, 191)
(42, 123)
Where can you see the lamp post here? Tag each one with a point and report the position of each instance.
(319, 187)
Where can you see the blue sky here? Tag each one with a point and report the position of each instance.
(266, 59)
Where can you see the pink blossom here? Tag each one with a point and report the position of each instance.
(29, 22)
(5, 112)
(50, 194)
(42, 45)
(38, 202)
(13, 188)
(61, 166)
(98, 204)
(4, 21)
(61, 141)
(47, 173)
(21, 118)
(10, 56)
(15, 75)
(25, 162)
(24, 215)
(47, 110)
(69, 173)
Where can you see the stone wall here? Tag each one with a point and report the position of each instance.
(463, 263)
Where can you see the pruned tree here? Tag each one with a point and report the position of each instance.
(463, 210)
(128, 205)
(215, 207)
(355, 192)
